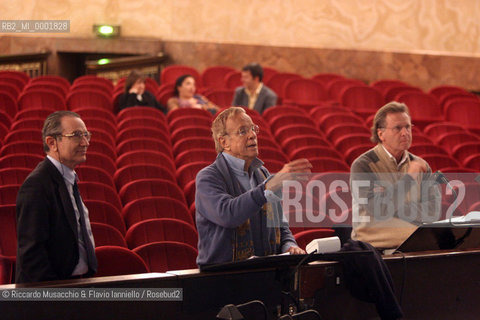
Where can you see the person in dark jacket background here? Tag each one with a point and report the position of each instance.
(135, 93)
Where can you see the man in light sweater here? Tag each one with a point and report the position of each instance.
(391, 188)
(237, 213)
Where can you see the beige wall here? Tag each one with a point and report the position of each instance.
(436, 26)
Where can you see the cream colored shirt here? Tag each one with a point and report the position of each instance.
(252, 96)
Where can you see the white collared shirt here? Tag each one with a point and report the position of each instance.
(70, 176)
(402, 161)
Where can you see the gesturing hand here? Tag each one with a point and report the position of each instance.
(289, 172)
(415, 168)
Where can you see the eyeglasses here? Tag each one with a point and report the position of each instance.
(244, 130)
(77, 136)
(398, 129)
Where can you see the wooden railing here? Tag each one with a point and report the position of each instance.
(429, 285)
(33, 64)
(116, 68)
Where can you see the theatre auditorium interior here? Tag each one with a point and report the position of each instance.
(332, 65)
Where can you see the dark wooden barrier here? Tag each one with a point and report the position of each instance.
(116, 68)
(434, 285)
(33, 64)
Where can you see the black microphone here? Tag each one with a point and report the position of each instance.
(440, 178)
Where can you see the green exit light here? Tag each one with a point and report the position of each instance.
(103, 61)
(106, 30)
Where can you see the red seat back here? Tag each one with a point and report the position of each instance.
(277, 81)
(20, 160)
(104, 212)
(150, 188)
(94, 174)
(195, 154)
(115, 261)
(89, 98)
(464, 112)
(325, 78)
(140, 112)
(145, 157)
(26, 147)
(188, 172)
(8, 230)
(213, 77)
(163, 229)
(99, 191)
(8, 104)
(304, 90)
(221, 97)
(155, 207)
(106, 235)
(362, 99)
(168, 255)
(41, 98)
(13, 175)
(134, 172)
(233, 80)
(171, 73)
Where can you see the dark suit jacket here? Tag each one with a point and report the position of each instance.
(47, 235)
(130, 100)
(266, 99)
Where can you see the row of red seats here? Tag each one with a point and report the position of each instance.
(343, 131)
(352, 93)
(92, 188)
(106, 206)
(153, 247)
(258, 120)
(121, 178)
(267, 131)
(54, 93)
(285, 126)
(293, 89)
(139, 209)
(215, 77)
(165, 255)
(331, 122)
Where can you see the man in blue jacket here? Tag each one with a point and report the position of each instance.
(238, 215)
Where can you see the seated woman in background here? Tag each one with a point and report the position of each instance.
(135, 94)
(185, 97)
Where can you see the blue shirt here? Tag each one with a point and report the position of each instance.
(219, 211)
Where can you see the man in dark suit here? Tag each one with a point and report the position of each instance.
(53, 229)
(254, 94)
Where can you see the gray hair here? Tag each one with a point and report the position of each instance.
(220, 123)
(53, 125)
